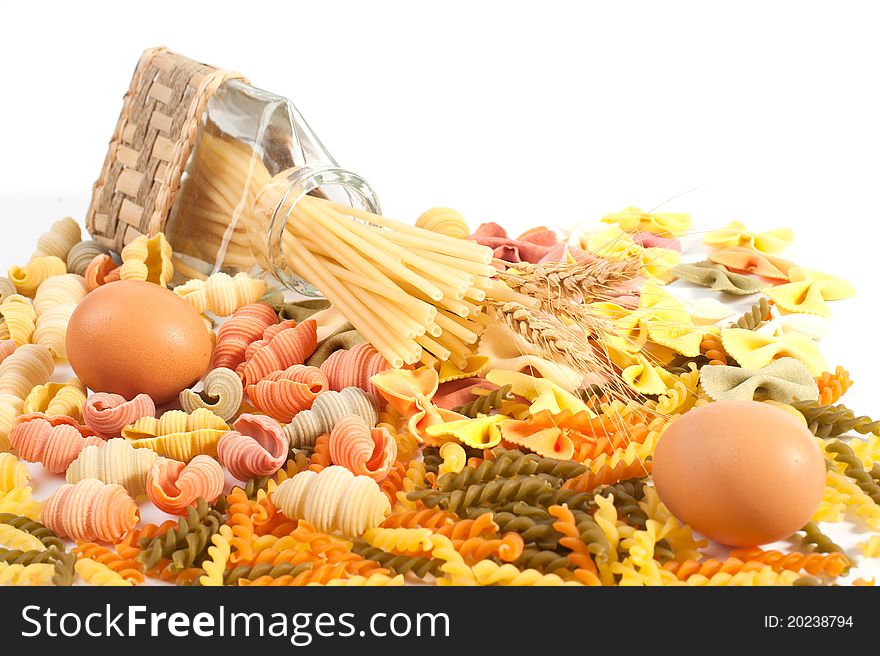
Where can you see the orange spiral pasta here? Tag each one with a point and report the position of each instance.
(55, 442)
(130, 570)
(282, 346)
(321, 574)
(393, 482)
(711, 348)
(508, 548)
(608, 475)
(832, 564)
(127, 546)
(354, 367)
(255, 447)
(282, 394)
(430, 518)
(580, 557)
(107, 414)
(173, 486)
(90, 511)
(320, 457)
(833, 386)
(101, 270)
(334, 552)
(709, 567)
(245, 327)
(361, 449)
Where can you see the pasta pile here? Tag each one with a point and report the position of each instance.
(464, 409)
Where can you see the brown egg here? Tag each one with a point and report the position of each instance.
(130, 337)
(742, 473)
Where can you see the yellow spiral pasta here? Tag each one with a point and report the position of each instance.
(10, 409)
(61, 237)
(148, 259)
(222, 294)
(30, 365)
(454, 458)
(115, 461)
(95, 573)
(20, 318)
(444, 221)
(174, 421)
(55, 399)
(14, 538)
(871, 547)
(333, 500)
(60, 290)
(13, 473)
(488, 572)
(218, 557)
(27, 279)
(359, 581)
(37, 574)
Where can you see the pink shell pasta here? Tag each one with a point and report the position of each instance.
(354, 367)
(362, 450)
(282, 394)
(173, 486)
(100, 271)
(246, 326)
(256, 447)
(90, 511)
(55, 442)
(107, 414)
(282, 346)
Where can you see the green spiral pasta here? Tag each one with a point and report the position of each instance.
(821, 543)
(252, 572)
(508, 464)
(828, 421)
(543, 560)
(494, 492)
(854, 468)
(31, 557)
(754, 316)
(35, 528)
(432, 459)
(65, 569)
(539, 532)
(251, 489)
(483, 405)
(184, 543)
(398, 564)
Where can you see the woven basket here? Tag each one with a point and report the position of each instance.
(150, 148)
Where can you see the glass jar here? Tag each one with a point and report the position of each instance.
(255, 158)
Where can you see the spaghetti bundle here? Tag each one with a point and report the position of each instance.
(415, 295)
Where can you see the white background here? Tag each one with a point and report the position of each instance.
(547, 113)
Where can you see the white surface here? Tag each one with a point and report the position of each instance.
(524, 114)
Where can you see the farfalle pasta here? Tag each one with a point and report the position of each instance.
(55, 442)
(222, 394)
(753, 350)
(256, 446)
(784, 380)
(745, 260)
(222, 294)
(148, 259)
(107, 414)
(27, 279)
(718, 278)
(90, 511)
(363, 450)
(174, 486)
(61, 237)
(115, 461)
(665, 224)
(20, 318)
(735, 234)
(283, 394)
(333, 500)
(656, 264)
(807, 292)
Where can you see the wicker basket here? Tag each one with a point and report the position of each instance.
(151, 146)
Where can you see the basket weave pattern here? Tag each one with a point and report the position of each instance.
(150, 148)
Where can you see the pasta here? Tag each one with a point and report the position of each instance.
(746, 260)
(7, 289)
(255, 447)
(55, 442)
(354, 368)
(363, 450)
(115, 461)
(282, 346)
(754, 316)
(784, 380)
(753, 350)
(51, 329)
(828, 421)
(656, 264)
(81, 255)
(61, 237)
(283, 394)
(718, 278)
(222, 294)
(444, 221)
(90, 511)
(833, 564)
(183, 446)
(222, 394)
(808, 292)
(107, 414)
(871, 547)
(67, 288)
(712, 349)
(665, 224)
(484, 404)
(7, 348)
(333, 500)
(454, 459)
(173, 486)
(833, 386)
(735, 234)
(326, 411)
(246, 326)
(127, 569)
(148, 259)
(20, 318)
(173, 421)
(96, 573)
(27, 279)
(36, 574)
(842, 453)
(57, 399)
(100, 271)
(13, 473)
(20, 501)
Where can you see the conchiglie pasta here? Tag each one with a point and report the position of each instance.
(55, 442)
(51, 329)
(81, 255)
(90, 511)
(114, 461)
(20, 318)
(107, 414)
(183, 446)
(222, 394)
(283, 394)
(256, 447)
(333, 500)
(10, 408)
(13, 473)
(173, 421)
(27, 279)
(57, 399)
(60, 238)
(60, 290)
(173, 486)
(148, 259)
(222, 294)
(30, 365)
(361, 449)
(444, 221)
